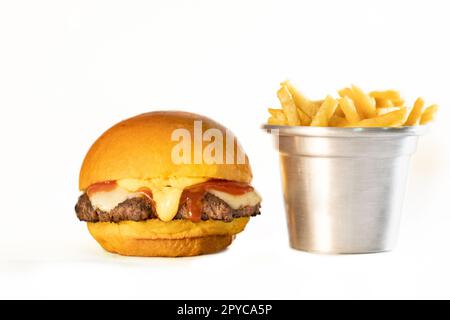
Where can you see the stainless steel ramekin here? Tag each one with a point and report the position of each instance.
(344, 187)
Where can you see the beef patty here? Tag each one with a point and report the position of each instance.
(142, 208)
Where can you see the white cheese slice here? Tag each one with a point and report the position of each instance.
(108, 200)
(250, 198)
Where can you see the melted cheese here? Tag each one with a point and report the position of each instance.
(166, 192)
(238, 201)
(166, 195)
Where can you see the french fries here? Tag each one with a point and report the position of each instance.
(277, 117)
(337, 121)
(349, 110)
(325, 112)
(363, 102)
(346, 92)
(289, 108)
(383, 103)
(386, 95)
(381, 111)
(391, 119)
(428, 114)
(387, 98)
(306, 107)
(354, 108)
(416, 113)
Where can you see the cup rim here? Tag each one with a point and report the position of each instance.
(342, 132)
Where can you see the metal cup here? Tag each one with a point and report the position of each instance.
(344, 187)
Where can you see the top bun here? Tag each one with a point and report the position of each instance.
(141, 148)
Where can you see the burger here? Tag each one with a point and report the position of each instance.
(164, 184)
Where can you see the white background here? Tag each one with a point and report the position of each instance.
(71, 69)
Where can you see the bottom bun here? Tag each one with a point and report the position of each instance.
(178, 239)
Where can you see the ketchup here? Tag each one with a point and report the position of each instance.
(104, 186)
(107, 186)
(193, 200)
(231, 187)
(193, 195)
(146, 192)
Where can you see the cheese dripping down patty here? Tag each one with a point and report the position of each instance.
(166, 194)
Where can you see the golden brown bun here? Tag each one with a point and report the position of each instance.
(141, 148)
(155, 238)
(167, 247)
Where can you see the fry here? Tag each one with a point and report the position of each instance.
(276, 122)
(325, 112)
(304, 119)
(315, 105)
(308, 107)
(277, 117)
(386, 95)
(416, 112)
(428, 114)
(349, 110)
(339, 112)
(337, 121)
(276, 113)
(364, 103)
(289, 107)
(346, 92)
(391, 119)
(382, 111)
(383, 103)
(398, 102)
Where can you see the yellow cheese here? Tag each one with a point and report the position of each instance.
(238, 201)
(166, 192)
(167, 200)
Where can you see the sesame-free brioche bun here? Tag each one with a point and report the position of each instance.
(155, 238)
(141, 148)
